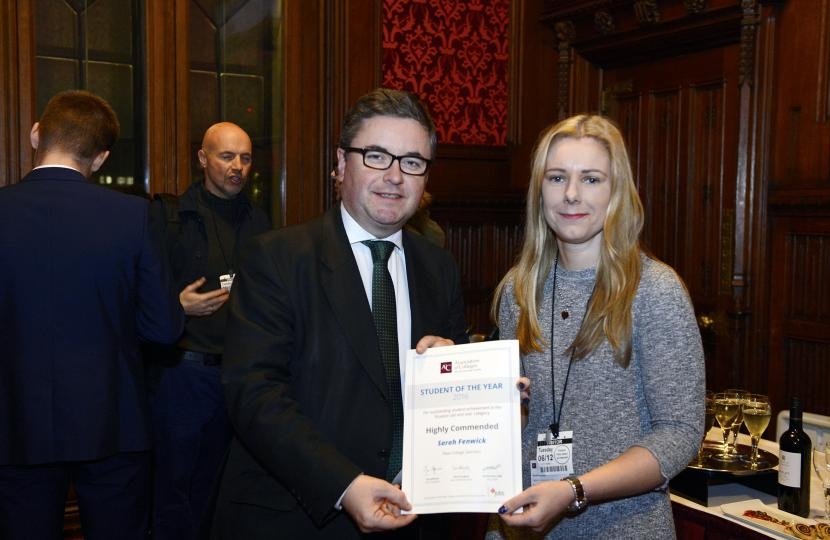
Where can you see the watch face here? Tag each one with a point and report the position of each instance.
(577, 505)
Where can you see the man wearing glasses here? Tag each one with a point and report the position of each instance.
(311, 389)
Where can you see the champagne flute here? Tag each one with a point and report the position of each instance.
(736, 425)
(820, 462)
(757, 412)
(727, 406)
(709, 421)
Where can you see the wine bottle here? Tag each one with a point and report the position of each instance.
(794, 470)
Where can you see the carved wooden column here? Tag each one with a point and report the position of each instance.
(565, 34)
(743, 216)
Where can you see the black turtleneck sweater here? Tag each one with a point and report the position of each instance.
(221, 219)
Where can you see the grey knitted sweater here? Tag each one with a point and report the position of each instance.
(655, 403)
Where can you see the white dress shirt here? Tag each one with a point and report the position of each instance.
(397, 269)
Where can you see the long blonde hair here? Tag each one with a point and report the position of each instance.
(608, 313)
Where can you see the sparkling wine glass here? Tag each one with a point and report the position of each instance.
(821, 454)
(736, 425)
(727, 406)
(756, 411)
(709, 421)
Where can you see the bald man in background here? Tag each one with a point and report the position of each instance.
(203, 230)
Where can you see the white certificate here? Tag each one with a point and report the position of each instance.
(462, 428)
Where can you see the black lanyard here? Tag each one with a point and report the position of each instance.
(554, 427)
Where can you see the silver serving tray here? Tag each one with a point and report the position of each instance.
(739, 467)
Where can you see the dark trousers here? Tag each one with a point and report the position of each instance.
(113, 498)
(192, 434)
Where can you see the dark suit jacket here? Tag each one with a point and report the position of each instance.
(303, 375)
(81, 282)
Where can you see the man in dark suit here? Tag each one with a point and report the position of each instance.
(307, 389)
(81, 282)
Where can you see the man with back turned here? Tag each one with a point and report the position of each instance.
(81, 282)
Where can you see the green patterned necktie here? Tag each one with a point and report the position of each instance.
(386, 324)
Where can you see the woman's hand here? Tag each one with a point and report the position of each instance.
(523, 384)
(543, 504)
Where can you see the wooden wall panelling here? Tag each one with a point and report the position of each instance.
(800, 141)
(798, 334)
(664, 121)
(304, 94)
(533, 89)
(354, 50)
(168, 103)
(17, 76)
(707, 121)
(484, 238)
(758, 244)
(758, 90)
(678, 119)
(799, 338)
(481, 217)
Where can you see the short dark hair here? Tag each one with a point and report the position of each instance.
(387, 102)
(78, 122)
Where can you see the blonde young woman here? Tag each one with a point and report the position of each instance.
(610, 343)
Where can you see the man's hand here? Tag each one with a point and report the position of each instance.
(375, 505)
(431, 341)
(198, 304)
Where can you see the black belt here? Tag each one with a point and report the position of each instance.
(207, 359)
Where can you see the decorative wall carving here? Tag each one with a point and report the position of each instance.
(749, 27)
(610, 94)
(694, 6)
(604, 22)
(647, 12)
(565, 34)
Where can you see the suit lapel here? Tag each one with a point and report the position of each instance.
(421, 287)
(344, 290)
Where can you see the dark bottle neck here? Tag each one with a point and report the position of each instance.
(795, 413)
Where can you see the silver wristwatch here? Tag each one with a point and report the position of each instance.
(580, 500)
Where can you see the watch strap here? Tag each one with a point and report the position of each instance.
(580, 500)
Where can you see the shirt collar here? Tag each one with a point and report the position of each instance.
(357, 234)
(45, 165)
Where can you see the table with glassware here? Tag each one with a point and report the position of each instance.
(729, 489)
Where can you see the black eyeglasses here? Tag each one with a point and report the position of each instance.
(382, 160)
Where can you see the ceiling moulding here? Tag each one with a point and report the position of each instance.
(610, 33)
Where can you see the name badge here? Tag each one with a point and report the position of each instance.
(226, 281)
(554, 457)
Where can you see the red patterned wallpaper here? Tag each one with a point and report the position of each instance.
(454, 55)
